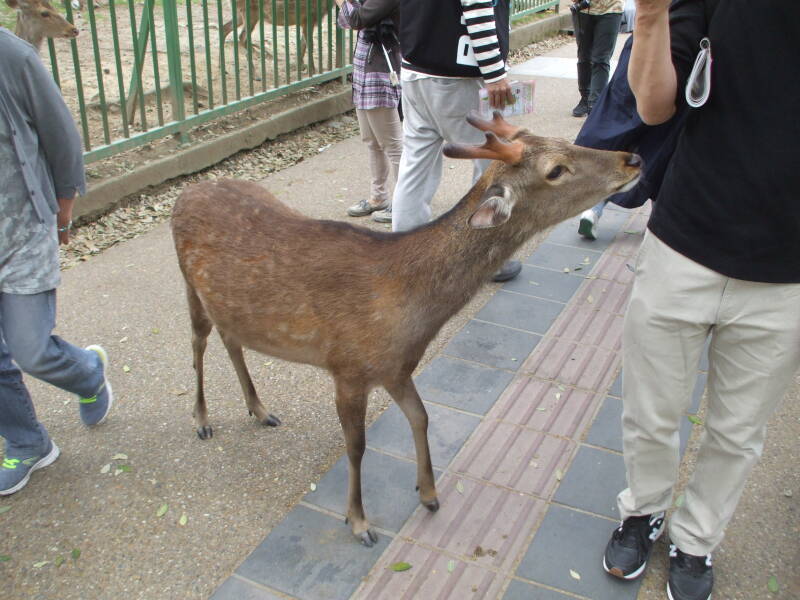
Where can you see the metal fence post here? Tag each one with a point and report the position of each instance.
(174, 64)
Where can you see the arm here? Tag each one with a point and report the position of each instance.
(651, 72)
(365, 14)
(482, 30)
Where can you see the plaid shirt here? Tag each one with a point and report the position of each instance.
(370, 90)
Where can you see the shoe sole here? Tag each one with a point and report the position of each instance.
(585, 229)
(103, 359)
(671, 597)
(49, 459)
(616, 572)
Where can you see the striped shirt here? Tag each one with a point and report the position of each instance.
(479, 19)
(370, 89)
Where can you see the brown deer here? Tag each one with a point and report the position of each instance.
(364, 304)
(37, 19)
(285, 14)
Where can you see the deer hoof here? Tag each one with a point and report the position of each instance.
(205, 433)
(368, 538)
(271, 420)
(432, 506)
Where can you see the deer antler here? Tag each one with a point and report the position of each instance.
(498, 125)
(494, 149)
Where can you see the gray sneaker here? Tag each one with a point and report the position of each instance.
(16, 471)
(384, 216)
(94, 410)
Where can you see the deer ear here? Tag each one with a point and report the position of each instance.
(495, 209)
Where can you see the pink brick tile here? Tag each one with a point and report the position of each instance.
(429, 577)
(541, 405)
(602, 294)
(614, 267)
(477, 522)
(589, 326)
(514, 457)
(586, 367)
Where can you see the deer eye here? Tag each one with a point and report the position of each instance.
(45, 14)
(555, 172)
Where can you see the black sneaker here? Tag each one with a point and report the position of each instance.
(690, 577)
(630, 545)
(581, 109)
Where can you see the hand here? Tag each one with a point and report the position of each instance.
(500, 94)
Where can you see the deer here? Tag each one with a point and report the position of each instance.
(285, 14)
(365, 304)
(37, 19)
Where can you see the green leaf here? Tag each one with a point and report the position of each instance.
(40, 564)
(59, 560)
(451, 566)
(120, 456)
(76, 553)
(772, 584)
(183, 520)
(162, 510)
(695, 419)
(125, 468)
(460, 487)
(4, 509)
(5, 557)
(400, 566)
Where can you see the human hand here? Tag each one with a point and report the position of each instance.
(64, 219)
(500, 94)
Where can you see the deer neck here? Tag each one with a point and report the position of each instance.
(30, 34)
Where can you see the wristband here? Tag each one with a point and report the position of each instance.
(65, 228)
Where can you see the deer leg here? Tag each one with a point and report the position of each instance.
(254, 406)
(201, 328)
(307, 43)
(351, 405)
(405, 395)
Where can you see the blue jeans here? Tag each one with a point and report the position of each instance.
(26, 323)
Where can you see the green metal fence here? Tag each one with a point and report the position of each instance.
(148, 69)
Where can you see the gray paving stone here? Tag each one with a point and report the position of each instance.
(311, 555)
(520, 590)
(545, 283)
(571, 540)
(616, 387)
(466, 386)
(387, 485)
(235, 588)
(552, 256)
(520, 312)
(492, 345)
(447, 431)
(606, 431)
(593, 481)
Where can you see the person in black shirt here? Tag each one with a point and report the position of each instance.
(720, 260)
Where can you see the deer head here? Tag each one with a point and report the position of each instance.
(37, 19)
(547, 179)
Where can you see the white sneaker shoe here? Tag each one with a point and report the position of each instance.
(588, 224)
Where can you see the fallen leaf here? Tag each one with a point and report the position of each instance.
(59, 560)
(313, 487)
(575, 575)
(632, 231)
(117, 471)
(478, 552)
(590, 299)
(180, 392)
(105, 469)
(123, 340)
(586, 260)
(4, 509)
(120, 456)
(40, 564)
(126, 369)
(5, 558)
(695, 419)
(566, 269)
(541, 408)
(162, 510)
(451, 566)
(679, 501)
(76, 553)
(400, 566)
(534, 464)
(558, 396)
(559, 474)
(787, 493)
(183, 520)
(460, 487)
(772, 584)
(155, 331)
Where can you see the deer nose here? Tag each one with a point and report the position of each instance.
(634, 160)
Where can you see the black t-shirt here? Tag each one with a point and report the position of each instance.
(730, 199)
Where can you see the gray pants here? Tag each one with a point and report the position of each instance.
(26, 323)
(435, 111)
(596, 36)
(675, 305)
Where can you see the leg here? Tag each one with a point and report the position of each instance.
(387, 132)
(754, 354)
(254, 405)
(201, 328)
(378, 163)
(606, 29)
(663, 338)
(405, 394)
(351, 405)
(584, 30)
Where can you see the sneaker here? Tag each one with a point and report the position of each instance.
(581, 109)
(690, 577)
(15, 472)
(630, 545)
(509, 270)
(364, 207)
(384, 216)
(588, 225)
(94, 410)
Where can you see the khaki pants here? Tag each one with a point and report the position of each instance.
(382, 132)
(754, 353)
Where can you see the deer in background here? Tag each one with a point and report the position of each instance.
(37, 19)
(280, 283)
(285, 14)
